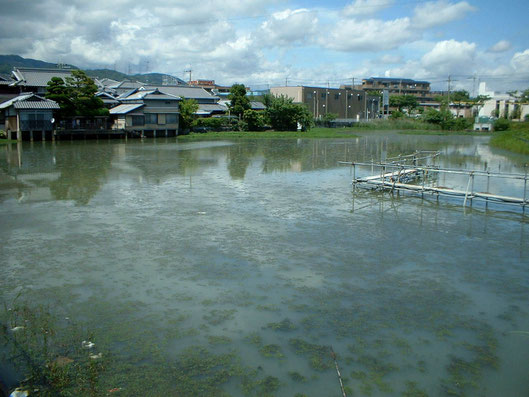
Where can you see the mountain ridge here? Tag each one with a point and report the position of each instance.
(8, 62)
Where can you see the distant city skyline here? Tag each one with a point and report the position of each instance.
(274, 42)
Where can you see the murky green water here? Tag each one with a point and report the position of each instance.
(211, 267)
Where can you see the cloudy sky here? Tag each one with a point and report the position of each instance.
(269, 42)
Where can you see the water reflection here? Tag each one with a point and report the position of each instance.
(229, 267)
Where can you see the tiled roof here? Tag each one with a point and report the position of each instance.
(51, 105)
(151, 95)
(29, 101)
(35, 77)
(184, 92)
(123, 109)
(257, 105)
(205, 108)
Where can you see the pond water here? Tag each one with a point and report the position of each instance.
(233, 268)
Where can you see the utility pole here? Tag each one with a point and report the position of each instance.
(474, 85)
(286, 81)
(189, 71)
(449, 81)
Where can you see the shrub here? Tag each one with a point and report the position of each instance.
(255, 121)
(502, 124)
(397, 114)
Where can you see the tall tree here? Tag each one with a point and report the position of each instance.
(239, 102)
(285, 115)
(76, 95)
(188, 108)
(404, 102)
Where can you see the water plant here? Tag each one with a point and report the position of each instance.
(296, 376)
(284, 325)
(412, 390)
(271, 351)
(319, 356)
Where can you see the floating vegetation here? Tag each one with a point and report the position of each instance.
(254, 338)
(268, 308)
(216, 317)
(200, 373)
(296, 376)
(402, 344)
(54, 355)
(373, 376)
(218, 340)
(259, 387)
(284, 325)
(319, 356)
(271, 351)
(412, 390)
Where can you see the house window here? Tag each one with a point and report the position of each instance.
(309, 96)
(323, 94)
(138, 120)
(171, 118)
(151, 118)
(336, 96)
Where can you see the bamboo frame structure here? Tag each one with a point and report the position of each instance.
(396, 175)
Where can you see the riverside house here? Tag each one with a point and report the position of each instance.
(28, 117)
(149, 113)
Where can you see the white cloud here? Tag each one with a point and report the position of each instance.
(287, 28)
(368, 35)
(501, 46)
(450, 56)
(366, 7)
(520, 61)
(435, 13)
(390, 59)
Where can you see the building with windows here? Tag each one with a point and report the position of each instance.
(148, 112)
(398, 86)
(28, 117)
(345, 103)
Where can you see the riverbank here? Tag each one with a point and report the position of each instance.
(446, 132)
(313, 133)
(515, 139)
(6, 141)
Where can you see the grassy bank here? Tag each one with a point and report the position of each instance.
(5, 141)
(313, 133)
(445, 132)
(397, 124)
(515, 139)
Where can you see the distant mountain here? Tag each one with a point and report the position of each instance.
(148, 78)
(7, 62)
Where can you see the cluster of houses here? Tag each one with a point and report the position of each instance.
(144, 109)
(138, 108)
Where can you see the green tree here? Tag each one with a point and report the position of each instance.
(76, 95)
(329, 118)
(239, 102)
(404, 102)
(254, 119)
(459, 98)
(57, 91)
(188, 108)
(285, 115)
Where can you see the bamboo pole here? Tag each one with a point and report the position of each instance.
(333, 355)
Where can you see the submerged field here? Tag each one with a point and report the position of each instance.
(233, 268)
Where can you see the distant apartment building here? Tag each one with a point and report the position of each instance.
(346, 103)
(397, 86)
(210, 86)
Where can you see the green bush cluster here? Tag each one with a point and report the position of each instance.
(502, 124)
